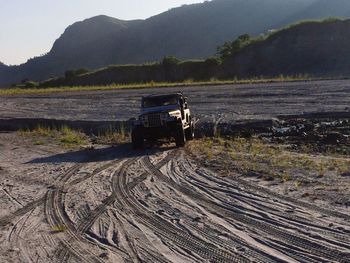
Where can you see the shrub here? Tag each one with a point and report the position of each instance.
(170, 61)
(31, 84)
(69, 74)
(230, 48)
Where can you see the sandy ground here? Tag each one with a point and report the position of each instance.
(228, 102)
(111, 204)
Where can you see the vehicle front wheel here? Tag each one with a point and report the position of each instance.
(136, 138)
(180, 137)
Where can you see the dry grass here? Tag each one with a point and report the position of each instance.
(113, 136)
(69, 138)
(64, 136)
(257, 156)
(58, 229)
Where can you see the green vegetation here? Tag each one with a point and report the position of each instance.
(287, 51)
(171, 71)
(152, 84)
(169, 61)
(229, 49)
(112, 41)
(69, 74)
(27, 84)
(168, 70)
(304, 22)
(70, 138)
(113, 136)
(64, 136)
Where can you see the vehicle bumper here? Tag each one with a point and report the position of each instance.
(164, 131)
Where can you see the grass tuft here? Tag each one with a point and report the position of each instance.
(63, 135)
(256, 156)
(113, 135)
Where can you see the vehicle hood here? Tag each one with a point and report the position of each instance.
(159, 109)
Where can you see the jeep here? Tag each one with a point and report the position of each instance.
(163, 116)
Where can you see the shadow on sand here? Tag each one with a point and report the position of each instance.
(101, 154)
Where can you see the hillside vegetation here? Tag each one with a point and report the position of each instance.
(308, 49)
(318, 48)
(187, 32)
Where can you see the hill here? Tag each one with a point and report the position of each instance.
(2, 66)
(322, 8)
(315, 48)
(190, 31)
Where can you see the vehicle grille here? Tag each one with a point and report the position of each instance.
(154, 120)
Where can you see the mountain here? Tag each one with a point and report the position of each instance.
(190, 31)
(313, 48)
(2, 66)
(323, 8)
(91, 43)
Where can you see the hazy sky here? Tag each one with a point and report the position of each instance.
(28, 28)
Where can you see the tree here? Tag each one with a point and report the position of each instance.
(31, 84)
(229, 49)
(170, 61)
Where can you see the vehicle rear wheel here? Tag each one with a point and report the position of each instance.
(180, 137)
(136, 138)
(190, 132)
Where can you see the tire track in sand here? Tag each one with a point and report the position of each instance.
(227, 210)
(85, 224)
(167, 231)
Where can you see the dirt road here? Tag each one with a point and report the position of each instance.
(228, 102)
(113, 205)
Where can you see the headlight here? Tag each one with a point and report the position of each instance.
(175, 114)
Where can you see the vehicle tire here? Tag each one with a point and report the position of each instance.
(180, 137)
(136, 138)
(190, 132)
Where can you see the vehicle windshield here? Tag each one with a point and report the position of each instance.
(159, 101)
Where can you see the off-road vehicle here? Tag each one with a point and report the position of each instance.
(163, 116)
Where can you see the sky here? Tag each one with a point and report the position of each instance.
(29, 28)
